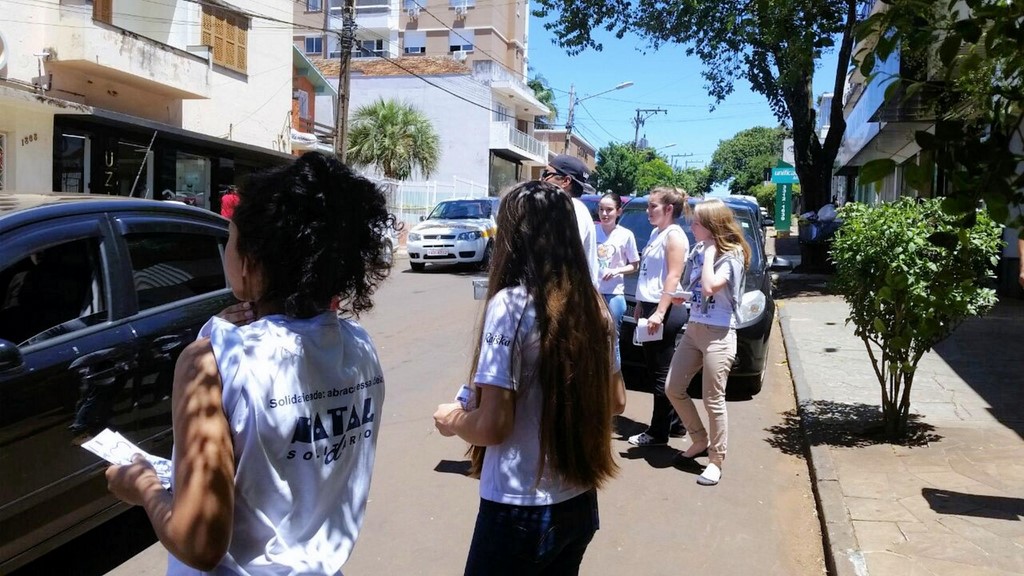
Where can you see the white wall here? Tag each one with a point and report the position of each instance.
(29, 153)
(463, 128)
(254, 108)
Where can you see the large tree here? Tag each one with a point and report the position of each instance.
(743, 159)
(696, 181)
(395, 138)
(618, 166)
(774, 45)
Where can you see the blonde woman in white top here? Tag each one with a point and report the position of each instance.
(661, 267)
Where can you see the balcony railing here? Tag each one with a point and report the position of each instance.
(506, 136)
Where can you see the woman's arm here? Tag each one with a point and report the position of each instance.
(490, 424)
(618, 393)
(195, 523)
(710, 281)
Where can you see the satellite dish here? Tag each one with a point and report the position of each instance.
(4, 49)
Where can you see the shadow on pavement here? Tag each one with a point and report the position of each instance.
(843, 425)
(960, 504)
(972, 352)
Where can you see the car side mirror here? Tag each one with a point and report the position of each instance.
(767, 222)
(780, 264)
(422, 218)
(10, 356)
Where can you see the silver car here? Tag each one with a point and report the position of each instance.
(455, 232)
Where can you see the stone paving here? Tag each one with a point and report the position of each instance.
(950, 500)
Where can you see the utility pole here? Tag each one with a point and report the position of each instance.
(642, 114)
(674, 156)
(569, 119)
(348, 28)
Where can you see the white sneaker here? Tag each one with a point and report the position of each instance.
(644, 439)
(711, 475)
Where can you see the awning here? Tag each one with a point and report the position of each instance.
(167, 132)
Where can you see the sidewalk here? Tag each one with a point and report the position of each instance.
(950, 501)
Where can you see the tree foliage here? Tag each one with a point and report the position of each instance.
(626, 170)
(911, 274)
(773, 45)
(744, 159)
(546, 96)
(972, 86)
(395, 138)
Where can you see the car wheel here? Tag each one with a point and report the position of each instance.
(486, 260)
(744, 387)
(417, 266)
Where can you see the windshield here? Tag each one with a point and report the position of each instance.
(461, 209)
(634, 217)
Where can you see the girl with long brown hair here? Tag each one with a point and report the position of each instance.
(714, 277)
(540, 424)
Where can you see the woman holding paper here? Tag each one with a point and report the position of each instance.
(543, 370)
(714, 277)
(276, 419)
(661, 267)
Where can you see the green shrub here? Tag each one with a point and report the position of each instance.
(911, 274)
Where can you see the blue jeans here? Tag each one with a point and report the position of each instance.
(532, 540)
(617, 307)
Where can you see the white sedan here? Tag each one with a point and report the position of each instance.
(455, 232)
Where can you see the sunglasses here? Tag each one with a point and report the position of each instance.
(548, 174)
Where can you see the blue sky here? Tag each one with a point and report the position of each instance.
(666, 79)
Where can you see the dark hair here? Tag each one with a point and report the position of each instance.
(615, 198)
(537, 245)
(316, 231)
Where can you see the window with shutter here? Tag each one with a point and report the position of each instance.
(103, 11)
(226, 34)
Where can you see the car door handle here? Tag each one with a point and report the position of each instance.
(102, 365)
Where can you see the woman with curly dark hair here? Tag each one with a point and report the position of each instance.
(276, 418)
(543, 374)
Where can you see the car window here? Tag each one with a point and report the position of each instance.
(462, 209)
(52, 292)
(168, 267)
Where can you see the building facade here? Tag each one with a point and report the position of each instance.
(176, 99)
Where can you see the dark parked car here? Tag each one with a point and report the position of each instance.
(758, 306)
(98, 296)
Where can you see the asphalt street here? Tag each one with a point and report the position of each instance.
(655, 518)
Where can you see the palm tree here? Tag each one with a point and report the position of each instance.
(395, 138)
(546, 96)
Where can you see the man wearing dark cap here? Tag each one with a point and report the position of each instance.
(571, 174)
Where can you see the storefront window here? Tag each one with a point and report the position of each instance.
(192, 180)
(503, 174)
(133, 168)
(71, 163)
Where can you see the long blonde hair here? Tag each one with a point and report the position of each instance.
(725, 231)
(537, 245)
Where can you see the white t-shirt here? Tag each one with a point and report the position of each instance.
(303, 400)
(588, 235)
(717, 310)
(509, 474)
(614, 250)
(653, 266)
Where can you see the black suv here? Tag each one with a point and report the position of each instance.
(98, 296)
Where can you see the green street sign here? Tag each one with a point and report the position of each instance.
(783, 205)
(784, 175)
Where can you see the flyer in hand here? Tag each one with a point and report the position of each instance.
(116, 449)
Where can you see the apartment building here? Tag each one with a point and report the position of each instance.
(136, 98)
(479, 102)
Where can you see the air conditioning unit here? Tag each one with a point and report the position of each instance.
(414, 12)
(460, 55)
(461, 10)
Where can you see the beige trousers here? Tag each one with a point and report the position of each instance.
(713, 349)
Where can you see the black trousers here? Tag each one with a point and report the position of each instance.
(658, 358)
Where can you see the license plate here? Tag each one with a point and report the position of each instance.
(436, 252)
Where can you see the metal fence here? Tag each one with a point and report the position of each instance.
(410, 200)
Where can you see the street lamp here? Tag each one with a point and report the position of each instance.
(573, 101)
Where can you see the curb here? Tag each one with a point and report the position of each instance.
(842, 552)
